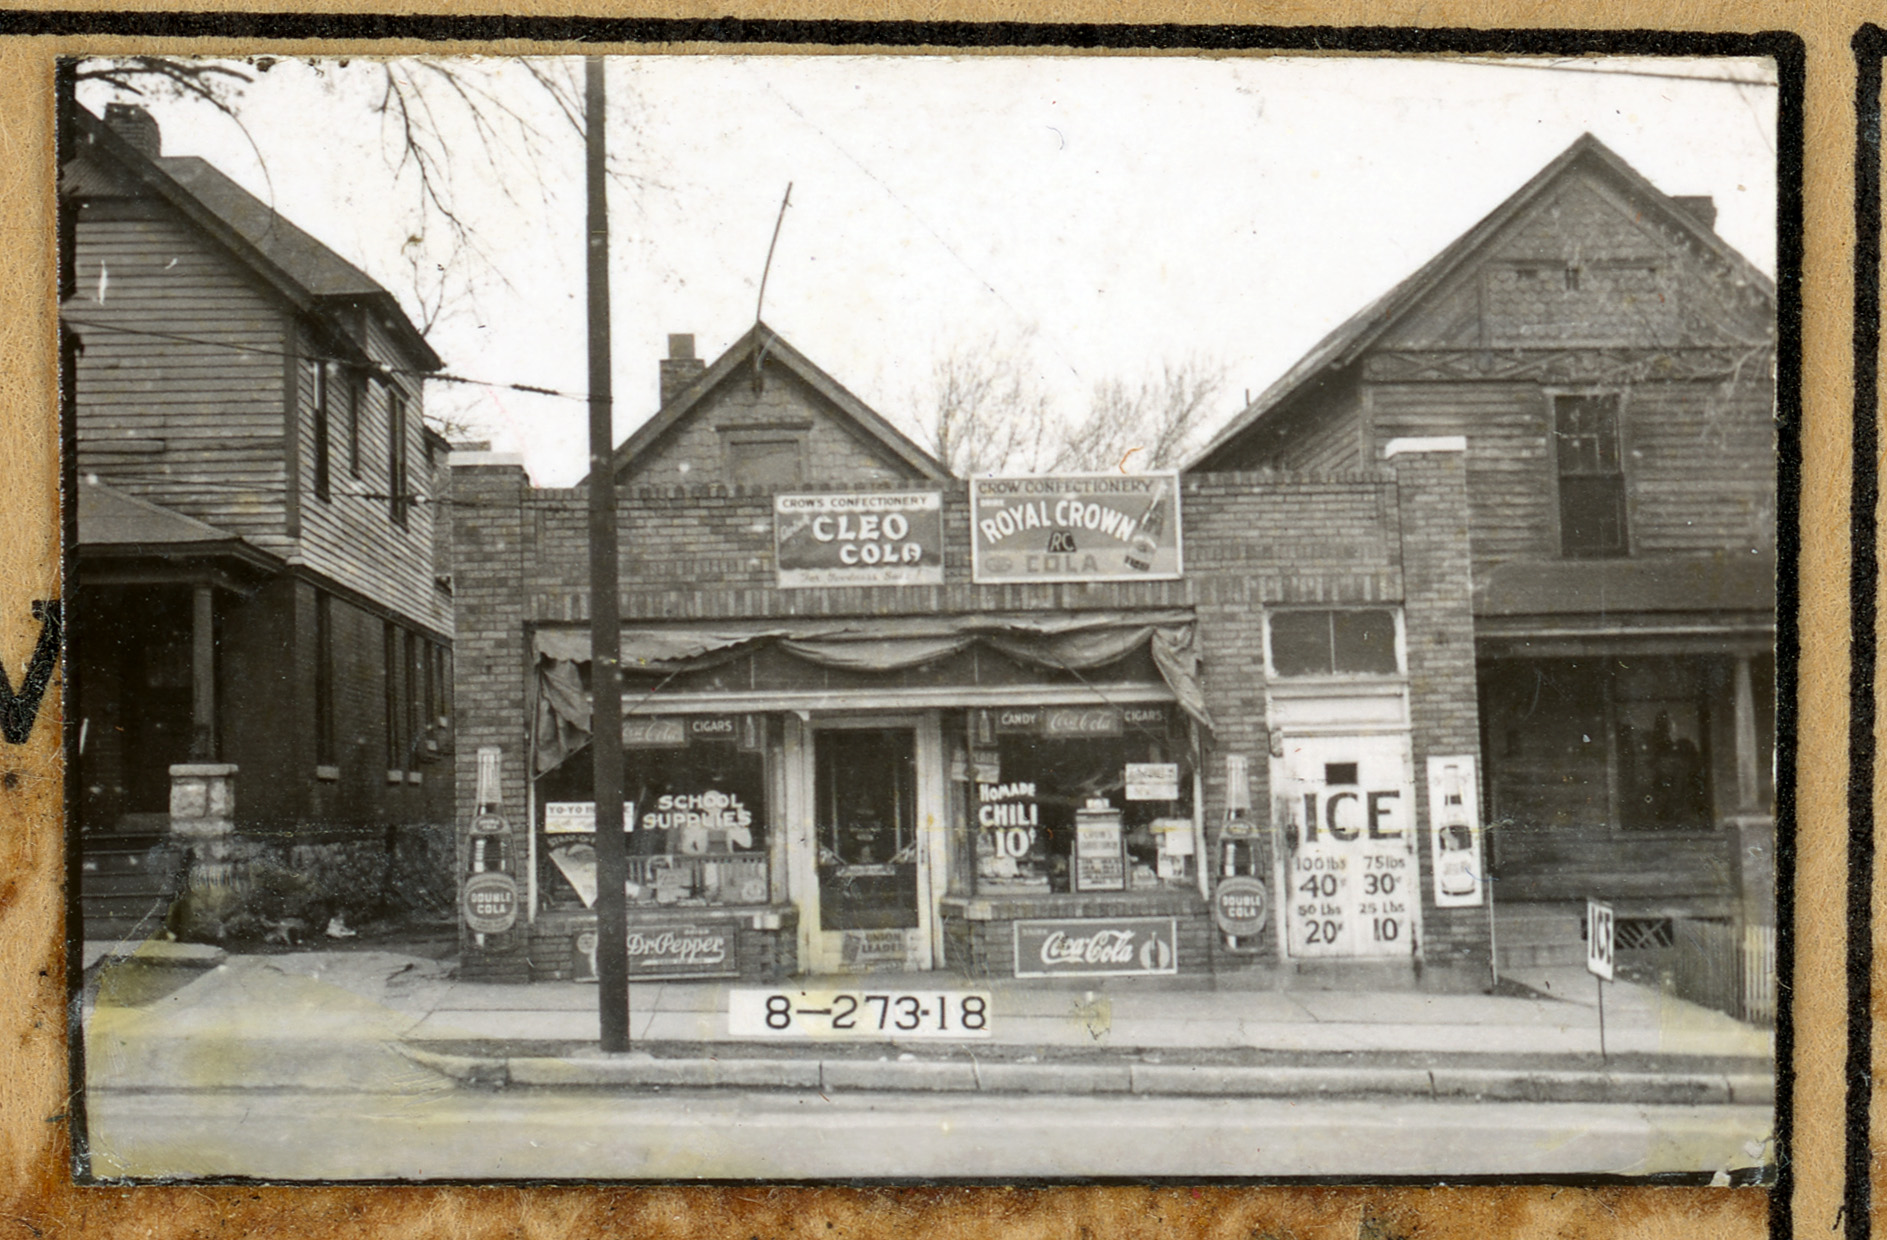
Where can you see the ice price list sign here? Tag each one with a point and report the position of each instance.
(1351, 877)
(881, 1015)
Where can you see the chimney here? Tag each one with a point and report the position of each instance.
(681, 367)
(1700, 207)
(135, 125)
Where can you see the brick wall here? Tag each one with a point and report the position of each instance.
(1391, 535)
(489, 668)
(1431, 493)
(695, 450)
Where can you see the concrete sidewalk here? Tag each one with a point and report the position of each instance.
(387, 1022)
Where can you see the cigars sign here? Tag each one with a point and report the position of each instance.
(1075, 527)
(874, 538)
(1097, 947)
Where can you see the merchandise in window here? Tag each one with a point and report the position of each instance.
(695, 807)
(1073, 799)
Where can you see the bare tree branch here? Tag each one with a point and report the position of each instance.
(986, 415)
(1149, 425)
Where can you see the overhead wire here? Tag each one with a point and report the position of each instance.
(374, 368)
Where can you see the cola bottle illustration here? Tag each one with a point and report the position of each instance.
(1146, 540)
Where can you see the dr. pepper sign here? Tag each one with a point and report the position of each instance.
(1075, 527)
(872, 538)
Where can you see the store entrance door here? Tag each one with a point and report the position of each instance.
(872, 823)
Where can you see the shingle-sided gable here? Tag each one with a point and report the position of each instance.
(780, 415)
(1588, 264)
(1587, 254)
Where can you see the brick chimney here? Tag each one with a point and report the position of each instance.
(681, 367)
(135, 125)
(1700, 207)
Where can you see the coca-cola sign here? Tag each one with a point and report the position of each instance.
(1097, 947)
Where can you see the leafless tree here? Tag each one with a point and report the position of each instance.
(986, 414)
(1146, 425)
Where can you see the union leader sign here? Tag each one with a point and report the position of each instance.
(1097, 947)
(1075, 527)
(874, 538)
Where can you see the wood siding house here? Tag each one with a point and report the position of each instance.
(1609, 362)
(259, 582)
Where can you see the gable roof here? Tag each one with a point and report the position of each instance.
(1356, 334)
(308, 273)
(760, 345)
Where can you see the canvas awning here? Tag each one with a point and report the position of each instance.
(1058, 643)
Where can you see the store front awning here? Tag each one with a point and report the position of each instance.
(1071, 644)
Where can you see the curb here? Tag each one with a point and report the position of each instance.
(638, 1069)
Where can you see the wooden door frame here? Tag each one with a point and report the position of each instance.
(929, 819)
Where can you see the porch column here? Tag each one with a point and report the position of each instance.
(203, 675)
(1744, 723)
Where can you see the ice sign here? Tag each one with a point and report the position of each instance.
(1350, 873)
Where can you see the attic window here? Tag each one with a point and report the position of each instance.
(768, 460)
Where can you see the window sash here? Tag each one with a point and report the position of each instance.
(324, 680)
(321, 473)
(397, 501)
(1357, 641)
(1592, 514)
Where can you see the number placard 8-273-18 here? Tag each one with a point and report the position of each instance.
(882, 1015)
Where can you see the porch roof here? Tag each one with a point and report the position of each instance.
(1738, 586)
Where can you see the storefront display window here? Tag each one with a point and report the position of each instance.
(695, 789)
(1072, 799)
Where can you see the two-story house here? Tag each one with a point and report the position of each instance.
(1607, 359)
(257, 585)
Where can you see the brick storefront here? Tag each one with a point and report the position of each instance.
(774, 716)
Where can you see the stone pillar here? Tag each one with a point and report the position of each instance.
(203, 818)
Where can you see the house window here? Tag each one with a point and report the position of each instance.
(323, 376)
(390, 658)
(416, 688)
(1334, 642)
(439, 698)
(324, 680)
(352, 399)
(398, 501)
(1591, 475)
(760, 462)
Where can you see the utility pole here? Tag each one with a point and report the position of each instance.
(612, 862)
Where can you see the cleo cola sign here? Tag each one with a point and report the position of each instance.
(891, 538)
(1097, 947)
(1075, 527)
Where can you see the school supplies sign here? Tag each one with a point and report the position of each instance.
(1075, 527)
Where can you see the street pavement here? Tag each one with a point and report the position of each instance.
(804, 1135)
(388, 1051)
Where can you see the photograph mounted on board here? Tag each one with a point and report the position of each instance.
(1151, 596)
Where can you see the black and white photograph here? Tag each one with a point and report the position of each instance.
(922, 617)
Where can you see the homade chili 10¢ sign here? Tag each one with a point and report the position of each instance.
(890, 538)
(1075, 527)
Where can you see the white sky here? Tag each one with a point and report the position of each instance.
(1099, 215)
